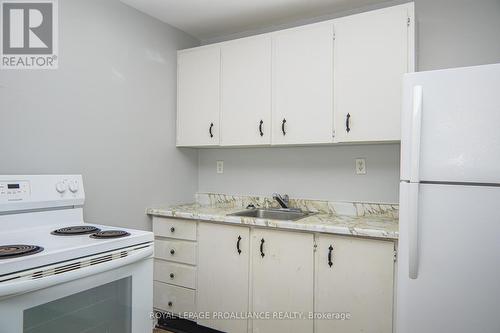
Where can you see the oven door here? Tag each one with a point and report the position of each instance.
(117, 299)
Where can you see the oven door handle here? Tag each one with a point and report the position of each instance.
(21, 287)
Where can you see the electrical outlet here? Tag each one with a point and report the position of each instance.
(220, 166)
(361, 166)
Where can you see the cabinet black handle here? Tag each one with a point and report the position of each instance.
(170, 304)
(172, 252)
(260, 128)
(262, 248)
(238, 245)
(347, 123)
(210, 130)
(283, 126)
(330, 249)
(172, 229)
(172, 275)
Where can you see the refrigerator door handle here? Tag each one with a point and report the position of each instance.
(413, 230)
(415, 134)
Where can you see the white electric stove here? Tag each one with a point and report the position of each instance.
(60, 274)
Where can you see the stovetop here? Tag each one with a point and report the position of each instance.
(10, 251)
(61, 248)
(76, 230)
(107, 234)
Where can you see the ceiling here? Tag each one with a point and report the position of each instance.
(208, 19)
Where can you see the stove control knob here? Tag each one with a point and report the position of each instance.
(73, 186)
(61, 187)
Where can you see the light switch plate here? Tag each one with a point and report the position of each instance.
(361, 166)
(220, 166)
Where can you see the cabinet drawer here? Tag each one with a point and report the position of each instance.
(177, 274)
(174, 228)
(176, 250)
(173, 299)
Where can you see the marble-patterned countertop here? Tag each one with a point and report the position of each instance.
(355, 219)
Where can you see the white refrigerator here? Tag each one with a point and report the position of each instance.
(449, 246)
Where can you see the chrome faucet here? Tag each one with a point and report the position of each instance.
(283, 200)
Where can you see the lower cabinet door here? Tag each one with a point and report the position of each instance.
(282, 264)
(223, 269)
(354, 285)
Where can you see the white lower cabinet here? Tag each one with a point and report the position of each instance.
(174, 266)
(176, 300)
(223, 273)
(282, 272)
(177, 274)
(176, 250)
(354, 276)
(227, 270)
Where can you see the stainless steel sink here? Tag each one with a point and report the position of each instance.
(274, 214)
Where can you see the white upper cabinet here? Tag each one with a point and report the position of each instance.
(303, 85)
(329, 82)
(372, 52)
(246, 91)
(198, 96)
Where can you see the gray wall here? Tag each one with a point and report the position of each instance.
(450, 33)
(456, 33)
(108, 113)
(308, 172)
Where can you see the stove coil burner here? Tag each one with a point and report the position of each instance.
(110, 234)
(12, 251)
(75, 230)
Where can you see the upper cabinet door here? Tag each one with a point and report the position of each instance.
(246, 92)
(302, 85)
(372, 52)
(198, 97)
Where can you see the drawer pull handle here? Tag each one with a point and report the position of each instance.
(172, 275)
(283, 126)
(262, 248)
(172, 251)
(260, 128)
(348, 123)
(170, 304)
(210, 130)
(238, 245)
(330, 249)
(172, 229)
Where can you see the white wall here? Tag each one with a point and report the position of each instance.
(304, 172)
(456, 33)
(108, 113)
(451, 33)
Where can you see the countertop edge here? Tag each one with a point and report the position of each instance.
(276, 224)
